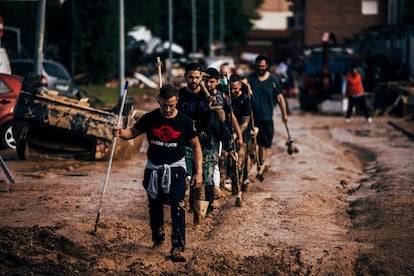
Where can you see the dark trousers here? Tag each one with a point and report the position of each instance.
(176, 201)
(357, 101)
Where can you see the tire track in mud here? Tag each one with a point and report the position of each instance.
(381, 206)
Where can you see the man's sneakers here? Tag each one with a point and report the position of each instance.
(177, 255)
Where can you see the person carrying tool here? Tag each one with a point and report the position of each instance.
(267, 93)
(194, 102)
(221, 130)
(169, 131)
(242, 109)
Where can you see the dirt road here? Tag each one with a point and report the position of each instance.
(343, 205)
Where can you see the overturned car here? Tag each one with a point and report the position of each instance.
(49, 126)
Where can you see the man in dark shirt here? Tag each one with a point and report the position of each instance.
(267, 93)
(222, 142)
(168, 132)
(195, 103)
(241, 104)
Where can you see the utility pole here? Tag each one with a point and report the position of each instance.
(222, 25)
(211, 27)
(40, 31)
(170, 37)
(121, 49)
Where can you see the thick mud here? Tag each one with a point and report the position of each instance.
(343, 205)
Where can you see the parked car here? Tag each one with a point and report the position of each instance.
(50, 126)
(54, 75)
(9, 91)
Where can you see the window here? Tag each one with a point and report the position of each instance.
(369, 7)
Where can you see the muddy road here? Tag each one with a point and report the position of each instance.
(343, 205)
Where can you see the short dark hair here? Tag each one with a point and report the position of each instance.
(212, 73)
(168, 91)
(192, 66)
(235, 78)
(262, 57)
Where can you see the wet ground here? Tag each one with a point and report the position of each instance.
(343, 205)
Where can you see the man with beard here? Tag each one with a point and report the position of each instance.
(267, 93)
(193, 102)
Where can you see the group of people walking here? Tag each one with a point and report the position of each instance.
(200, 138)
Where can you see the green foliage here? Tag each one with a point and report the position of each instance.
(103, 97)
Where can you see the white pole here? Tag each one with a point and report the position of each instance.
(211, 27)
(121, 69)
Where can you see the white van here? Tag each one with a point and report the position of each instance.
(4, 62)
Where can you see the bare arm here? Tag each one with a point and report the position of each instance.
(198, 162)
(245, 123)
(249, 88)
(237, 129)
(125, 134)
(283, 109)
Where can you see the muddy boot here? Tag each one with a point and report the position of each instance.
(245, 185)
(200, 210)
(158, 238)
(218, 193)
(177, 255)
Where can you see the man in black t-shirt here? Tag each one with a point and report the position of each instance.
(193, 102)
(169, 132)
(242, 110)
(267, 93)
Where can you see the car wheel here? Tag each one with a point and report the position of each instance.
(6, 138)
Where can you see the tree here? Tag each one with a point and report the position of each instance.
(83, 35)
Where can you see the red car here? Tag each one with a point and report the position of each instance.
(9, 91)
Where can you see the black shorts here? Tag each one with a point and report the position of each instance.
(266, 132)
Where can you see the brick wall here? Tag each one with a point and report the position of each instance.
(344, 18)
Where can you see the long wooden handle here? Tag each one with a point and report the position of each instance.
(159, 70)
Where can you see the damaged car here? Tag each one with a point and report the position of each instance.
(47, 125)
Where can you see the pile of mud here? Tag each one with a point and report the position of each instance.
(35, 250)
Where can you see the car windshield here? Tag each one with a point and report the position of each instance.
(56, 70)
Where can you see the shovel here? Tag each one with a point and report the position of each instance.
(289, 143)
